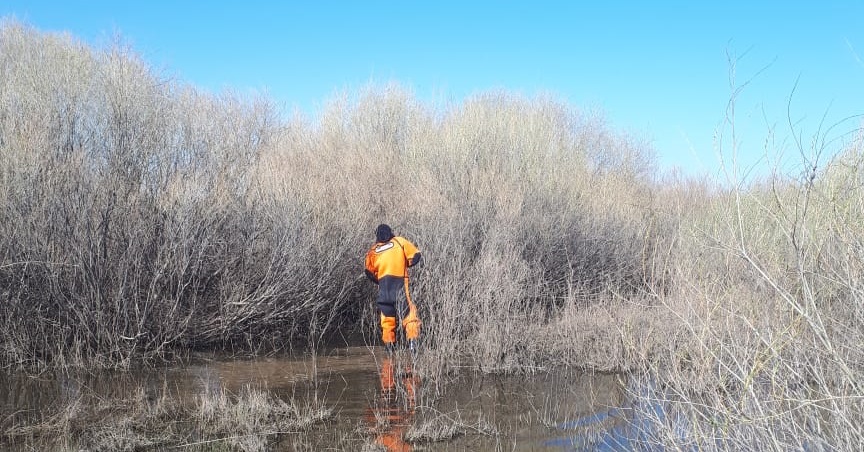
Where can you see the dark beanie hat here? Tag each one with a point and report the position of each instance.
(383, 233)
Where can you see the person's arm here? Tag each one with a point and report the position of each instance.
(417, 259)
(371, 276)
(412, 254)
(370, 270)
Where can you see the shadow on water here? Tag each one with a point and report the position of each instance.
(380, 401)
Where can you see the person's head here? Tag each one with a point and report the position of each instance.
(383, 233)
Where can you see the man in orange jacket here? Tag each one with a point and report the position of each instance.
(387, 264)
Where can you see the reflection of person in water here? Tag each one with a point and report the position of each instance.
(392, 412)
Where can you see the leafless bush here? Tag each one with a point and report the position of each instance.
(141, 217)
(128, 224)
(252, 420)
(767, 293)
(502, 194)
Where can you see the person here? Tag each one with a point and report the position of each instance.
(387, 263)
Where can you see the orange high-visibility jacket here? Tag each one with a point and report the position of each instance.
(391, 258)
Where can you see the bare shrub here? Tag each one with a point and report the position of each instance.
(767, 293)
(502, 193)
(129, 223)
(142, 217)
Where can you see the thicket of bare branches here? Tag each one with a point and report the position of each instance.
(130, 225)
(141, 216)
(768, 295)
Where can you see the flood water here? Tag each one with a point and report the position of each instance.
(373, 395)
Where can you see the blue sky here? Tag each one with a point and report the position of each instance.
(657, 69)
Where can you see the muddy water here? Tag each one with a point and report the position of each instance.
(380, 398)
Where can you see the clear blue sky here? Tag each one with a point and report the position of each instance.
(658, 69)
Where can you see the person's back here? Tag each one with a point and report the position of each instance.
(392, 258)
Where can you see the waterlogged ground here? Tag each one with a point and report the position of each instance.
(374, 401)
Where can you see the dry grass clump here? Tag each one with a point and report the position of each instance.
(432, 426)
(437, 430)
(258, 411)
(253, 420)
(95, 423)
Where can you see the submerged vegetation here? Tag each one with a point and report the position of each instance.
(141, 218)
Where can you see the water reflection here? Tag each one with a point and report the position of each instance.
(623, 428)
(390, 414)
